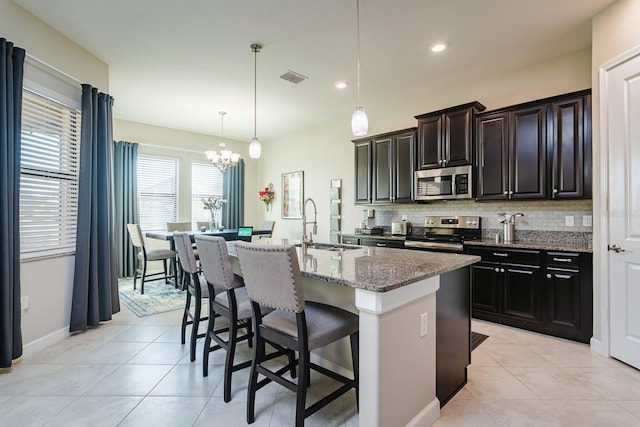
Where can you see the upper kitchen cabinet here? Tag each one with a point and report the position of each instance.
(537, 150)
(445, 137)
(570, 146)
(384, 167)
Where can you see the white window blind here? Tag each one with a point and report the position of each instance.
(206, 180)
(49, 167)
(157, 192)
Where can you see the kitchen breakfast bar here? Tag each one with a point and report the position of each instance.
(408, 303)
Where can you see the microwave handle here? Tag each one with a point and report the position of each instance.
(453, 185)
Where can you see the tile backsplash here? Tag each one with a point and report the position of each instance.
(546, 215)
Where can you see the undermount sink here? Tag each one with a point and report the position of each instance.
(329, 247)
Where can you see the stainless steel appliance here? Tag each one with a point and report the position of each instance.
(444, 183)
(445, 233)
(401, 228)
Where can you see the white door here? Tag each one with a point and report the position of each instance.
(622, 126)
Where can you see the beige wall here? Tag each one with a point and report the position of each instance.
(326, 153)
(48, 283)
(615, 31)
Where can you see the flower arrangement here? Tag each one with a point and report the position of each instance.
(267, 195)
(214, 204)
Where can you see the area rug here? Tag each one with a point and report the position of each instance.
(477, 339)
(158, 297)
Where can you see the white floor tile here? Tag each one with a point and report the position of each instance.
(32, 410)
(156, 411)
(131, 380)
(103, 411)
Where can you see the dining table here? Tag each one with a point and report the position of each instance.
(229, 234)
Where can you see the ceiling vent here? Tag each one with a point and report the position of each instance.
(293, 77)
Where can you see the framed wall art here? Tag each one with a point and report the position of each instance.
(292, 195)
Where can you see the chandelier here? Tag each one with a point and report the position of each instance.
(222, 158)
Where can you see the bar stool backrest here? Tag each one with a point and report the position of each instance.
(136, 235)
(187, 258)
(216, 266)
(272, 275)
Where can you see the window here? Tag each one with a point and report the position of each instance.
(157, 192)
(49, 167)
(206, 180)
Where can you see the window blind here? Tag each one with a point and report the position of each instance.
(206, 180)
(49, 166)
(157, 192)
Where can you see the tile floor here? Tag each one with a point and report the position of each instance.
(134, 372)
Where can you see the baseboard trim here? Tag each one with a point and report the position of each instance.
(427, 416)
(596, 346)
(44, 342)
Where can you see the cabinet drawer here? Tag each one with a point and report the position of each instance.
(384, 243)
(563, 260)
(350, 240)
(511, 256)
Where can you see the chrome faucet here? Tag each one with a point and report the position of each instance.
(305, 222)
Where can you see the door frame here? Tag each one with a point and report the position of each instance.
(601, 235)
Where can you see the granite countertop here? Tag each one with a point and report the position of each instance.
(373, 268)
(527, 244)
(386, 236)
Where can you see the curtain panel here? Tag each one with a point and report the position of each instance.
(233, 191)
(11, 76)
(95, 283)
(125, 156)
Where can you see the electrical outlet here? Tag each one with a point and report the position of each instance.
(569, 221)
(24, 303)
(424, 324)
(587, 221)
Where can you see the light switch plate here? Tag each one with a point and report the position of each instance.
(569, 221)
(587, 221)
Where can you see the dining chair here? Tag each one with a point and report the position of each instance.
(227, 298)
(196, 288)
(267, 225)
(178, 226)
(144, 256)
(273, 279)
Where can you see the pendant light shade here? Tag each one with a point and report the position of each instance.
(255, 149)
(359, 120)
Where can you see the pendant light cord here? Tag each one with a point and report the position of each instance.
(255, 90)
(358, 30)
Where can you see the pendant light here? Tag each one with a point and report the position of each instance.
(254, 148)
(223, 158)
(359, 121)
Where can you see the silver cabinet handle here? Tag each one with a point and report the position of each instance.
(548, 276)
(615, 248)
(502, 270)
(502, 254)
(510, 192)
(505, 193)
(497, 270)
(562, 259)
(381, 244)
(555, 191)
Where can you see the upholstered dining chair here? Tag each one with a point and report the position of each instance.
(267, 225)
(144, 256)
(178, 226)
(228, 299)
(273, 279)
(196, 290)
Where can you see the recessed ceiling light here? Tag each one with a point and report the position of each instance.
(341, 85)
(438, 47)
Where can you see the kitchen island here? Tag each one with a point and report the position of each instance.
(394, 293)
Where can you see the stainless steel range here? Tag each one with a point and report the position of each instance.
(445, 233)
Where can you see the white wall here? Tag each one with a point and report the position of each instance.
(615, 31)
(48, 283)
(326, 153)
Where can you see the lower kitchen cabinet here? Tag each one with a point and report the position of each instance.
(380, 242)
(547, 292)
(348, 240)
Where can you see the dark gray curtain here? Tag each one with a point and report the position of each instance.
(125, 156)
(95, 283)
(11, 73)
(233, 191)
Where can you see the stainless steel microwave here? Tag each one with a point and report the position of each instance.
(444, 183)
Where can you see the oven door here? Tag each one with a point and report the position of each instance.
(421, 245)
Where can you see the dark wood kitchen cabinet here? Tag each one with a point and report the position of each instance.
(537, 150)
(445, 137)
(543, 291)
(570, 147)
(384, 167)
(381, 242)
(512, 154)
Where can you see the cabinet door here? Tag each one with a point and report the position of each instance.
(363, 172)
(457, 141)
(382, 171)
(527, 153)
(567, 145)
(492, 148)
(563, 298)
(403, 167)
(485, 287)
(382, 243)
(521, 292)
(430, 142)
(350, 240)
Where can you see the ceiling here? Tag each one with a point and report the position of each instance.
(178, 63)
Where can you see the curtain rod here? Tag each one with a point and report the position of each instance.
(57, 70)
